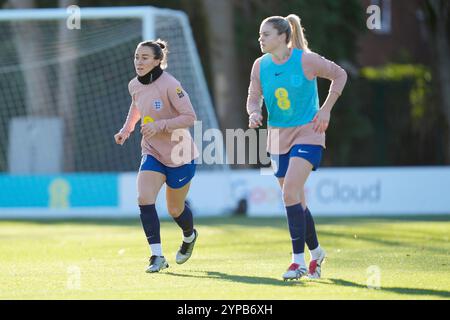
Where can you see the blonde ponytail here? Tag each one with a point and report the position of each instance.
(298, 39)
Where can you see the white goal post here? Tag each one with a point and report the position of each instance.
(80, 77)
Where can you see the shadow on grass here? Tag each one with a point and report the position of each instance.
(339, 282)
(238, 278)
(383, 241)
(408, 291)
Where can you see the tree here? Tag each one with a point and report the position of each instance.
(438, 13)
(227, 86)
(226, 78)
(39, 100)
(66, 97)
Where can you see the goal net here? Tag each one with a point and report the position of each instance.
(64, 91)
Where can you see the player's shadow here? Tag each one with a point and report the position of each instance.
(409, 291)
(238, 278)
(380, 241)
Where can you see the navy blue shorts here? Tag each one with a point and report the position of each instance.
(310, 152)
(176, 177)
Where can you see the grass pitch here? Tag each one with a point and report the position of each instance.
(234, 258)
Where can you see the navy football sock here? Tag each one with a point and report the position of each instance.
(297, 227)
(311, 235)
(150, 223)
(186, 221)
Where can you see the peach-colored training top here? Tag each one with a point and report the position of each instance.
(281, 140)
(167, 105)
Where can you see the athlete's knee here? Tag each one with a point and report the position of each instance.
(291, 196)
(175, 209)
(145, 200)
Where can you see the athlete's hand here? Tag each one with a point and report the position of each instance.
(148, 130)
(255, 120)
(321, 121)
(120, 137)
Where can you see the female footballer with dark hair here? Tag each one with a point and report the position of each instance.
(164, 108)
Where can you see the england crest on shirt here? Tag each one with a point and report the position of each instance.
(157, 104)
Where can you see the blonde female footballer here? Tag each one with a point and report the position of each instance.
(163, 107)
(286, 77)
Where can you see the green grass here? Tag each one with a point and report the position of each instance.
(235, 258)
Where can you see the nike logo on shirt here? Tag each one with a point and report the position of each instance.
(302, 151)
(278, 73)
(179, 180)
